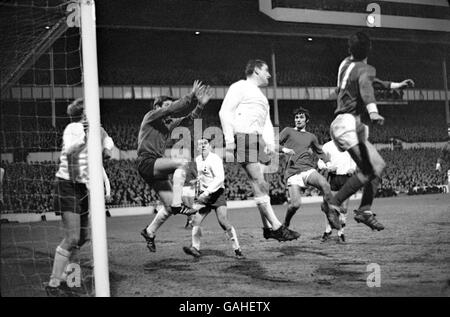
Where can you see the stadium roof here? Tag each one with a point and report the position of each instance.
(234, 16)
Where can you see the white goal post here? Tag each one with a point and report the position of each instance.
(96, 191)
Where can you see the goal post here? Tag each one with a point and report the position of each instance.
(96, 191)
(48, 58)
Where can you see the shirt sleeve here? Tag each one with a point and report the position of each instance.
(176, 107)
(381, 83)
(189, 119)
(366, 90)
(227, 111)
(219, 175)
(268, 134)
(284, 136)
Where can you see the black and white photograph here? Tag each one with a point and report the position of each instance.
(225, 154)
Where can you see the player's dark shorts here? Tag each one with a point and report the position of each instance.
(337, 181)
(250, 149)
(69, 196)
(146, 167)
(217, 199)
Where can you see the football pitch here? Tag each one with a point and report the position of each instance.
(412, 255)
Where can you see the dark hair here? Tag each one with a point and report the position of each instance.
(359, 45)
(160, 100)
(76, 108)
(302, 110)
(252, 64)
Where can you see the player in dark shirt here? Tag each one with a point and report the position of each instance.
(301, 166)
(154, 168)
(356, 95)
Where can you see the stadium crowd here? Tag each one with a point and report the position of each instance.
(415, 122)
(27, 187)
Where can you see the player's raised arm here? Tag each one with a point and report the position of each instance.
(203, 95)
(393, 85)
(173, 107)
(227, 110)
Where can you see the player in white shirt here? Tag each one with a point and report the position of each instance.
(211, 177)
(71, 193)
(340, 168)
(249, 137)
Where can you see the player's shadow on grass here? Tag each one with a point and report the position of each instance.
(169, 264)
(293, 250)
(253, 270)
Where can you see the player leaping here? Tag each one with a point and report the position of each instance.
(154, 168)
(249, 134)
(301, 168)
(356, 95)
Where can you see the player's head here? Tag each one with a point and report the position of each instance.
(258, 69)
(76, 109)
(162, 102)
(301, 118)
(204, 146)
(359, 45)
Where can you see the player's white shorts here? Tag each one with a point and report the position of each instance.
(347, 131)
(300, 179)
(188, 191)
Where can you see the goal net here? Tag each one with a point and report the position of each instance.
(41, 73)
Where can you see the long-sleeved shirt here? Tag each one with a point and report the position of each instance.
(355, 86)
(302, 142)
(341, 161)
(73, 162)
(245, 109)
(158, 124)
(210, 171)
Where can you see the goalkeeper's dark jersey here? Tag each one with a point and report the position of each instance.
(157, 125)
(355, 86)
